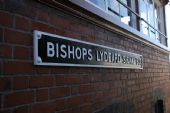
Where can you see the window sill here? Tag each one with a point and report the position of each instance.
(101, 13)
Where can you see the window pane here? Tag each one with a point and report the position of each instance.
(151, 19)
(123, 10)
(113, 7)
(152, 33)
(144, 14)
(143, 9)
(100, 3)
(144, 27)
(156, 19)
(125, 18)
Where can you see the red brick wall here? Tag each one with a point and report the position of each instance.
(26, 88)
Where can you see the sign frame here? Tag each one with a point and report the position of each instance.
(38, 61)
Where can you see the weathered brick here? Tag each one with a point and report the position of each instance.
(75, 90)
(43, 15)
(18, 98)
(86, 88)
(17, 67)
(66, 111)
(1, 67)
(73, 35)
(22, 53)
(6, 19)
(21, 82)
(42, 70)
(42, 27)
(82, 29)
(22, 109)
(5, 111)
(70, 80)
(88, 98)
(59, 92)
(86, 108)
(60, 80)
(5, 83)
(96, 77)
(48, 107)
(42, 94)
(5, 51)
(59, 70)
(15, 37)
(101, 86)
(60, 104)
(59, 22)
(41, 81)
(98, 95)
(22, 23)
(75, 101)
(1, 34)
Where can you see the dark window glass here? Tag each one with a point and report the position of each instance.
(159, 106)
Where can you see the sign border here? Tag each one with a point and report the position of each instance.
(37, 61)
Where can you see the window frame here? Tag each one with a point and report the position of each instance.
(104, 14)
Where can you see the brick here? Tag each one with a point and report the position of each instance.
(22, 109)
(88, 98)
(5, 111)
(59, 22)
(42, 70)
(60, 104)
(41, 81)
(1, 67)
(98, 95)
(21, 82)
(59, 92)
(79, 28)
(96, 77)
(17, 67)
(86, 109)
(42, 27)
(5, 83)
(60, 80)
(119, 83)
(6, 19)
(70, 80)
(86, 88)
(73, 35)
(66, 111)
(41, 94)
(1, 35)
(15, 37)
(1, 102)
(60, 32)
(76, 109)
(5, 51)
(18, 98)
(85, 79)
(48, 107)
(74, 90)
(60, 70)
(101, 86)
(22, 53)
(43, 15)
(75, 101)
(97, 105)
(22, 23)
